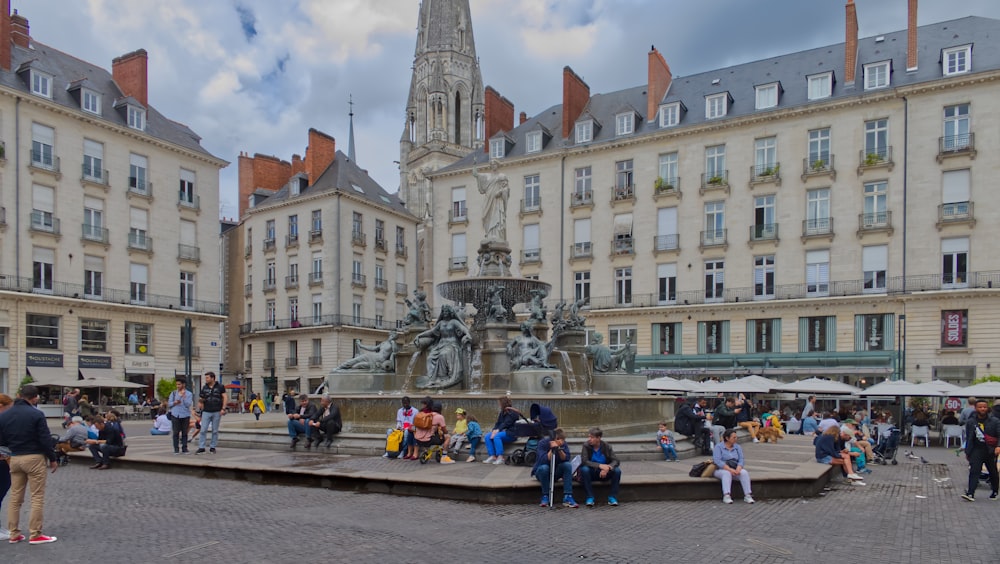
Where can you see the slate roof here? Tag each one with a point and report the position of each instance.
(67, 70)
(343, 175)
(790, 70)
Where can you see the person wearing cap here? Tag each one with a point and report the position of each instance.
(75, 437)
(297, 421)
(458, 434)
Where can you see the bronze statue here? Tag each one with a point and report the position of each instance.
(527, 350)
(378, 358)
(449, 345)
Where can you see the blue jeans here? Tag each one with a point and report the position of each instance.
(588, 475)
(296, 427)
(474, 445)
(209, 418)
(494, 446)
(564, 470)
(669, 453)
(154, 431)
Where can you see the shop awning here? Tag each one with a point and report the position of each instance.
(107, 383)
(52, 376)
(89, 373)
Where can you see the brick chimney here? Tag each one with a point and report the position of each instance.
(19, 33)
(911, 36)
(658, 82)
(260, 171)
(5, 38)
(320, 153)
(297, 165)
(524, 118)
(576, 94)
(129, 72)
(499, 115)
(851, 43)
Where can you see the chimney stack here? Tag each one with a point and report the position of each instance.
(524, 117)
(5, 37)
(658, 82)
(129, 72)
(576, 94)
(911, 36)
(320, 153)
(851, 43)
(19, 30)
(259, 171)
(499, 115)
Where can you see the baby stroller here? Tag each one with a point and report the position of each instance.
(887, 446)
(542, 423)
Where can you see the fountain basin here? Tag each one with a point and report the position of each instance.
(475, 291)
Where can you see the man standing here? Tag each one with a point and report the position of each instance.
(326, 423)
(179, 403)
(599, 463)
(967, 411)
(214, 395)
(108, 444)
(24, 431)
(554, 451)
(298, 421)
(981, 433)
(71, 406)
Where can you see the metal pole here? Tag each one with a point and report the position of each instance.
(187, 351)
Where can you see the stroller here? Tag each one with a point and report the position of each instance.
(885, 450)
(543, 422)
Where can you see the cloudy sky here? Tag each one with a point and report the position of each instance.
(255, 75)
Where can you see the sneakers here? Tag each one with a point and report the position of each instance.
(500, 460)
(447, 460)
(613, 502)
(853, 476)
(965, 496)
(41, 539)
(202, 451)
(211, 450)
(589, 502)
(993, 496)
(385, 455)
(15, 540)
(857, 483)
(471, 459)
(727, 499)
(748, 499)
(568, 501)
(756, 440)
(544, 502)
(490, 460)
(295, 441)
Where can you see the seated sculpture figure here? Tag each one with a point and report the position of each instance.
(496, 312)
(378, 358)
(420, 312)
(604, 360)
(527, 350)
(449, 345)
(537, 306)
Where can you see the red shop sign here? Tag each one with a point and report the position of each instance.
(953, 328)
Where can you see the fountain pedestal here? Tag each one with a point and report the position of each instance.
(537, 381)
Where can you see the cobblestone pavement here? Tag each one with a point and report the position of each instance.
(907, 513)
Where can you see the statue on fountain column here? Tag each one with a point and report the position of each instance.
(537, 306)
(527, 350)
(495, 310)
(604, 360)
(379, 358)
(575, 319)
(496, 189)
(420, 312)
(449, 345)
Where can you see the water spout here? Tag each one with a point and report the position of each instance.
(570, 373)
(409, 372)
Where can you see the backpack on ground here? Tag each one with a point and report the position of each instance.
(394, 443)
(423, 420)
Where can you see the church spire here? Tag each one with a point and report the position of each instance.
(350, 139)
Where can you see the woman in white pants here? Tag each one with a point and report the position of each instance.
(728, 459)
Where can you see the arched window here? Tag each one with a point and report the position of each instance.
(458, 118)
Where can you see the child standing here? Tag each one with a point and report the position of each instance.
(474, 434)
(458, 436)
(665, 439)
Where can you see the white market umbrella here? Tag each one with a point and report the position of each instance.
(984, 390)
(749, 385)
(818, 386)
(945, 387)
(668, 384)
(901, 388)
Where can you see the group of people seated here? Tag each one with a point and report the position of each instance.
(101, 434)
(318, 424)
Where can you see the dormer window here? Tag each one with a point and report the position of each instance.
(585, 131)
(956, 60)
(533, 142)
(820, 85)
(136, 118)
(41, 83)
(670, 114)
(877, 75)
(716, 105)
(497, 148)
(625, 123)
(767, 96)
(90, 101)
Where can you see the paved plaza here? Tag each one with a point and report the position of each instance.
(907, 513)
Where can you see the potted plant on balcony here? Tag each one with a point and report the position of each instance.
(715, 180)
(872, 159)
(662, 185)
(818, 165)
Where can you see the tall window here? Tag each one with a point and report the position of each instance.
(667, 338)
(667, 169)
(623, 286)
(820, 85)
(293, 227)
(93, 276)
(715, 222)
(317, 220)
(763, 335)
(764, 226)
(581, 285)
(715, 163)
(94, 335)
(41, 331)
(581, 185)
(187, 289)
(137, 173)
(819, 148)
(666, 229)
(458, 207)
(356, 309)
(269, 230)
(400, 238)
(714, 280)
(138, 228)
(317, 308)
(43, 263)
(93, 160)
(767, 96)
(356, 224)
(666, 278)
(818, 211)
(874, 264)
(624, 176)
(955, 262)
(532, 245)
(138, 338)
(955, 193)
(271, 313)
(293, 309)
(817, 334)
(713, 337)
(763, 277)
(877, 140)
(42, 142)
(765, 156)
(957, 59)
(956, 127)
(43, 208)
(380, 232)
(379, 273)
(93, 219)
(818, 273)
(875, 204)
(139, 274)
(532, 192)
(357, 271)
(317, 265)
(271, 272)
(186, 187)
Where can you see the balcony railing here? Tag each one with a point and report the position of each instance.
(359, 280)
(764, 232)
(269, 285)
(94, 175)
(291, 362)
(291, 240)
(379, 244)
(401, 251)
(44, 223)
(248, 290)
(581, 250)
(291, 282)
(400, 289)
(875, 221)
(817, 227)
(358, 238)
(530, 256)
(248, 250)
(189, 252)
(666, 242)
(667, 186)
(531, 205)
(140, 242)
(316, 236)
(315, 361)
(109, 295)
(623, 246)
(247, 365)
(951, 145)
(622, 193)
(582, 198)
(45, 161)
(820, 165)
(458, 263)
(718, 180)
(381, 285)
(268, 363)
(765, 172)
(956, 212)
(335, 320)
(195, 352)
(95, 233)
(269, 245)
(458, 216)
(874, 158)
(713, 238)
(190, 201)
(140, 187)
(315, 278)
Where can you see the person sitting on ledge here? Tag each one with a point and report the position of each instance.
(549, 452)
(326, 422)
(162, 425)
(503, 431)
(728, 459)
(598, 462)
(297, 421)
(828, 453)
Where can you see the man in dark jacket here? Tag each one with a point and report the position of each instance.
(554, 451)
(690, 421)
(24, 431)
(326, 422)
(108, 444)
(598, 462)
(981, 433)
(213, 393)
(297, 421)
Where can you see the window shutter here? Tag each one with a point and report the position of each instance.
(139, 219)
(93, 149)
(751, 336)
(655, 332)
(137, 160)
(702, 332)
(458, 194)
(623, 225)
(831, 333)
(581, 231)
(859, 332)
(93, 264)
(187, 175)
(956, 245)
(874, 258)
(666, 221)
(43, 198)
(93, 203)
(187, 234)
(803, 334)
(531, 237)
(776, 335)
(955, 186)
(43, 134)
(40, 254)
(458, 245)
(139, 273)
(668, 270)
(725, 337)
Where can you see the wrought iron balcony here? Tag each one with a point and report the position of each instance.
(45, 223)
(315, 278)
(877, 157)
(269, 245)
(94, 175)
(764, 232)
(667, 186)
(819, 165)
(401, 251)
(713, 238)
(381, 285)
(765, 173)
(45, 160)
(140, 187)
(268, 285)
(956, 145)
(623, 246)
(291, 240)
(458, 263)
(581, 250)
(268, 363)
(622, 193)
(140, 242)
(666, 242)
(358, 238)
(531, 256)
(400, 289)
(817, 227)
(291, 282)
(531, 205)
(582, 198)
(315, 361)
(95, 234)
(187, 200)
(291, 362)
(189, 252)
(316, 236)
(359, 280)
(458, 216)
(248, 290)
(956, 212)
(718, 180)
(875, 221)
(380, 244)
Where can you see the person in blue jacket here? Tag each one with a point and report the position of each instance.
(554, 451)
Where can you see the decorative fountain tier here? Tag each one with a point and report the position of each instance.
(476, 291)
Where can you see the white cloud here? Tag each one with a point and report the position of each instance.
(559, 43)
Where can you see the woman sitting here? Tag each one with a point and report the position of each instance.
(828, 453)
(162, 425)
(728, 459)
(503, 431)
